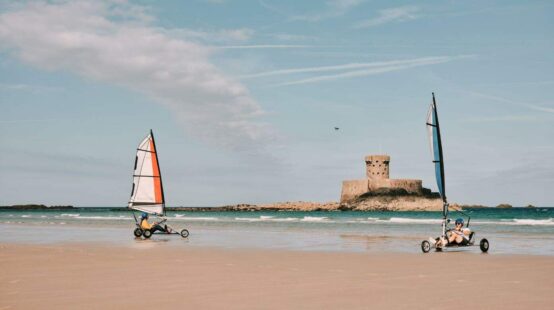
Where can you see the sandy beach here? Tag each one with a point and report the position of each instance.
(89, 276)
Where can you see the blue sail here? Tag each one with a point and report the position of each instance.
(436, 148)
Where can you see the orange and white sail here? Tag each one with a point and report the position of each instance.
(147, 194)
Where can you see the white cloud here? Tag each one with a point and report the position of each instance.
(114, 42)
(333, 9)
(263, 46)
(291, 37)
(27, 87)
(502, 118)
(373, 68)
(424, 60)
(398, 14)
(223, 35)
(512, 102)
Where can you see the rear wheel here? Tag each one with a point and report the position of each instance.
(484, 245)
(137, 232)
(147, 233)
(425, 246)
(184, 233)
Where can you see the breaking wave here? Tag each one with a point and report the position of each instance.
(314, 219)
(546, 222)
(195, 218)
(70, 215)
(111, 218)
(405, 220)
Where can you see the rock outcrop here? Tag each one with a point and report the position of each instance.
(35, 207)
(372, 202)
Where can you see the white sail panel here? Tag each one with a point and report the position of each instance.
(430, 125)
(152, 209)
(147, 194)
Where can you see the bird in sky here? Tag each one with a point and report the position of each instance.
(337, 128)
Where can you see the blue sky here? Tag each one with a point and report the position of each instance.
(243, 97)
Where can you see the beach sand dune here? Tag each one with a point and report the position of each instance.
(85, 276)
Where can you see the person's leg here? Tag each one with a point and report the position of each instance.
(443, 240)
(451, 238)
(459, 239)
(156, 228)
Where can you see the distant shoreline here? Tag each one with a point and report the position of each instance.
(37, 207)
(299, 206)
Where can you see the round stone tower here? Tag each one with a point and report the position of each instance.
(377, 166)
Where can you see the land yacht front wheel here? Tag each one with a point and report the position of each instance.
(425, 246)
(484, 245)
(137, 232)
(184, 233)
(147, 233)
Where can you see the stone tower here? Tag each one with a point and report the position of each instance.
(377, 172)
(377, 167)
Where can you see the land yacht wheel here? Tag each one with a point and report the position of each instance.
(184, 233)
(137, 232)
(147, 233)
(484, 245)
(425, 246)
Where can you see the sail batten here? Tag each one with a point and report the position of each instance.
(147, 194)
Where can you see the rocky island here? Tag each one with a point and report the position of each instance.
(374, 193)
(378, 192)
(35, 207)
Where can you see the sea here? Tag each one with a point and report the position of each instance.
(526, 231)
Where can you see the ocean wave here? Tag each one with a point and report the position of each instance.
(285, 219)
(516, 222)
(195, 218)
(247, 219)
(407, 220)
(117, 218)
(314, 219)
(508, 222)
(265, 218)
(546, 222)
(70, 215)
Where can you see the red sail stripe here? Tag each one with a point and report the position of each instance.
(156, 172)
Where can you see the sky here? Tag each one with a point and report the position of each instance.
(243, 98)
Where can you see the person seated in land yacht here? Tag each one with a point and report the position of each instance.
(144, 225)
(457, 236)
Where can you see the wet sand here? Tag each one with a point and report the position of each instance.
(89, 276)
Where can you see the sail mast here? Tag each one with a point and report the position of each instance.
(159, 170)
